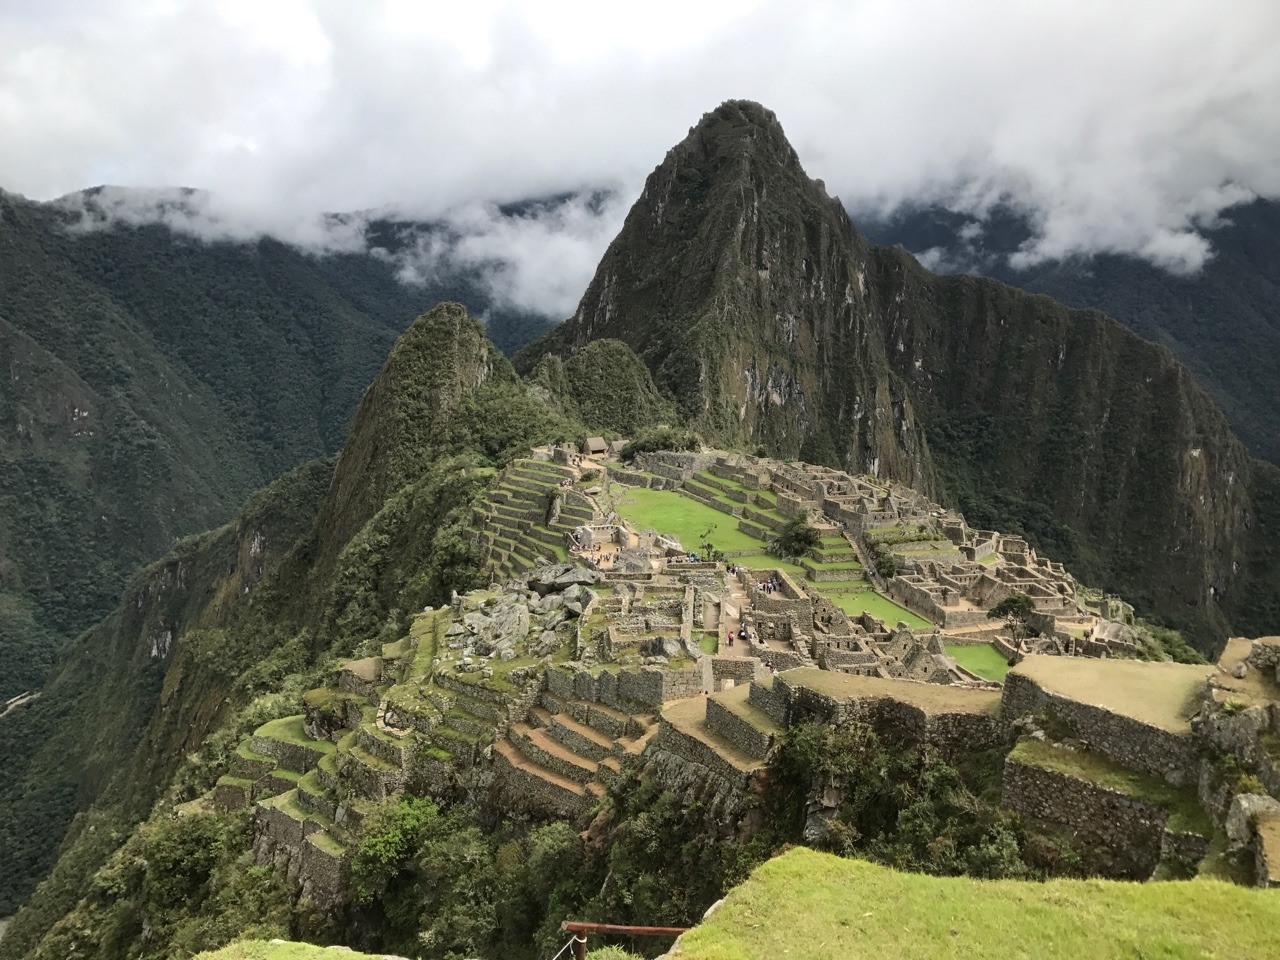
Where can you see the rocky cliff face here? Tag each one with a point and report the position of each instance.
(743, 286)
(756, 304)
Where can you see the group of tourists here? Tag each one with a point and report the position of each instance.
(745, 634)
(770, 585)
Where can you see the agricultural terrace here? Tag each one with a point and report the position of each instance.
(688, 520)
(853, 910)
(878, 606)
(979, 658)
(692, 522)
(1160, 694)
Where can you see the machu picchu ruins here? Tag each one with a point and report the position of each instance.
(608, 645)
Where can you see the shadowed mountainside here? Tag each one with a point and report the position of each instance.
(1223, 322)
(152, 381)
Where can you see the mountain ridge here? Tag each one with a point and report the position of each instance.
(1221, 321)
(771, 320)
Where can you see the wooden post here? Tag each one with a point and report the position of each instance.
(580, 930)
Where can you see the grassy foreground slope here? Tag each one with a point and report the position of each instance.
(282, 950)
(814, 905)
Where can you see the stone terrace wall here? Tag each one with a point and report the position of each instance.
(1130, 831)
(772, 699)
(735, 669)
(727, 725)
(1128, 742)
(647, 687)
(671, 740)
(281, 840)
(952, 734)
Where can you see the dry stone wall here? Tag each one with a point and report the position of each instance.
(1127, 832)
(284, 841)
(1139, 746)
(727, 725)
(647, 688)
(952, 734)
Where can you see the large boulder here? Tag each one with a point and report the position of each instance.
(560, 577)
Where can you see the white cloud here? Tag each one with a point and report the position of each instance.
(1118, 125)
(539, 260)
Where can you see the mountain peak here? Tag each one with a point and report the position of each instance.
(733, 131)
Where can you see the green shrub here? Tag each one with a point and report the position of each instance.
(661, 438)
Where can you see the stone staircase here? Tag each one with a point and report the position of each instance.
(566, 753)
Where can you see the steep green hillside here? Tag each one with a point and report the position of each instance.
(755, 303)
(152, 382)
(606, 385)
(321, 561)
(1223, 322)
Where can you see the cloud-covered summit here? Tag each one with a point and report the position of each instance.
(533, 257)
(1114, 126)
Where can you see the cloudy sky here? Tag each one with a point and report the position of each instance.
(1120, 125)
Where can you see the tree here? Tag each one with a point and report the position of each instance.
(1015, 610)
(796, 539)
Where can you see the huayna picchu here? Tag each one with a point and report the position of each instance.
(779, 540)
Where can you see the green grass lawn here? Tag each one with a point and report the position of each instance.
(676, 515)
(836, 565)
(980, 658)
(813, 905)
(878, 606)
(289, 730)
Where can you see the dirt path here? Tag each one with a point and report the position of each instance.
(14, 704)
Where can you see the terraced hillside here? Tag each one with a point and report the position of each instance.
(835, 567)
(526, 515)
(472, 698)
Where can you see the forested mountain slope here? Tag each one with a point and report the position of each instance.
(754, 301)
(1223, 321)
(236, 621)
(152, 381)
